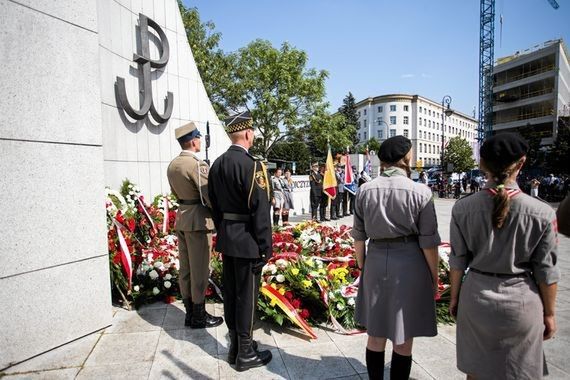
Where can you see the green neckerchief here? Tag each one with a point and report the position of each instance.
(393, 171)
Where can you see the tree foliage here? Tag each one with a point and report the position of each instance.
(372, 145)
(348, 109)
(325, 129)
(536, 155)
(460, 154)
(213, 65)
(292, 150)
(277, 87)
(559, 155)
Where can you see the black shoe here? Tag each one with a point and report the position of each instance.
(188, 306)
(247, 357)
(334, 218)
(202, 319)
(232, 353)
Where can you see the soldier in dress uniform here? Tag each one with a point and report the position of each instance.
(188, 178)
(316, 182)
(507, 239)
(239, 192)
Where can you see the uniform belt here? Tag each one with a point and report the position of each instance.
(189, 202)
(399, 239)
(237, 217)
(499, 275)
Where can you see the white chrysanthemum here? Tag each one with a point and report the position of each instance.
(167, 276)
(280, 278)
(136, 288)
(155, 291)
(153, 274)
(340, 306)
(281, 264)
(351, 301)
(167, 284)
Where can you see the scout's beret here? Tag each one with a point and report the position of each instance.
(239, 122)
(186, 132)
(394, 149)
(504, 148)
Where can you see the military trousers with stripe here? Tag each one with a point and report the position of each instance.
(241, 278)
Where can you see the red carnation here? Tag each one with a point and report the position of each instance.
(289, 295)
(296, 303)
(304, 313)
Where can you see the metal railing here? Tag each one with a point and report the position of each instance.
(524, 116)
(526, 74)
(526, 96)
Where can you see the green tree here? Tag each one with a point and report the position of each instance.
(325, 129)
(460, 154)
(214, 66)
(559, 155)
(536, 154)
(371, 144)
(277, 87)
(292, 150)
(348, 109)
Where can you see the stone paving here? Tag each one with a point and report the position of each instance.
(152, 343)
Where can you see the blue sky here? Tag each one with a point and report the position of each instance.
(378, 47)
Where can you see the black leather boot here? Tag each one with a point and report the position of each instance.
(188, 306)
(201, 318)
(232, 353)
(247, 357)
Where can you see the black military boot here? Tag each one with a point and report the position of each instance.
(247, 357)
(188, 306)
(201, 318)
(232, 353)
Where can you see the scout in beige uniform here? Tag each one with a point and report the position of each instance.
(507, 239)
(396, 293)
(188, 178)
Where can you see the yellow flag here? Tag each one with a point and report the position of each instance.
(329, 182)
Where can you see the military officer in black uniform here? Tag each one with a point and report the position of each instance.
(316, 182)
(239, 194)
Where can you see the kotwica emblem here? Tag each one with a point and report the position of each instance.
(145, 63)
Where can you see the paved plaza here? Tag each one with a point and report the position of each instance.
(153, 343)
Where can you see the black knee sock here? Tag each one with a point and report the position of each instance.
(285, 218)
(375, 364)
(275, 219)
(400, 367)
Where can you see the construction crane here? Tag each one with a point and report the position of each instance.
(486, 61)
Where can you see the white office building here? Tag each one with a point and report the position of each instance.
(532, 88)
(417, 118)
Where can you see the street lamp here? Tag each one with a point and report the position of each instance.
(445, 111)
(387, 128)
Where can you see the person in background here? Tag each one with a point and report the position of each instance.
(423, 178)
(239, 192)
(505, 306)
(364, 177)
(534, 186)
(316, 182)
(278, 195)
(287, 185)
(563, 216)
(340, 200)
(188, 178)
(351, 196)
(399, 266)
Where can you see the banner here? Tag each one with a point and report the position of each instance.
(349, 183)
(329, 182)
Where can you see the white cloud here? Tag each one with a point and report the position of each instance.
(424, 75)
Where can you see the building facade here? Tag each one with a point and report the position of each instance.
(532, 89)
(418, 118)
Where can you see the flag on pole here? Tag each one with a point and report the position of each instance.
(368, 164)
(329, 182)
(349, 184)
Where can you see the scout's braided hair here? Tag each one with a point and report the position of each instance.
(501, 201)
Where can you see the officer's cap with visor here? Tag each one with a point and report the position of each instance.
(394, 149)
(239, 122)
(186, 132)
(503, 149)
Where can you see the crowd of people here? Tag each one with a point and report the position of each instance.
(503, 260)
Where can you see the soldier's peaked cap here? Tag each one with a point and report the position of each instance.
(239, 122)
(188, 131)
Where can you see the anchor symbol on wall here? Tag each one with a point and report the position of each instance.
(145, 63)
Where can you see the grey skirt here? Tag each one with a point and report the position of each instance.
(395, 296)
(499, 328)
(288, 201)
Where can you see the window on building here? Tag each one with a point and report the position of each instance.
(392, 132)
(406, 133)
(365, 137)
(429, 148)
(406, 108)
(420, 147)
(392, 119)
(358, 113)
(381, 135)
(364, 112)
(429, 135)
(420, 123)
(359, 136)
(380, 109)
(425, 135)
(429, 123)
(406, 120)
(364, 123)
(429, 112)
(393, 108)
(380, 119)
(420, 109)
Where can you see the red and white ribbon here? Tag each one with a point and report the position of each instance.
(143, 207)
(125, 255)
(165, 218)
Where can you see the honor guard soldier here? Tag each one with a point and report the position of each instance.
(188, 178)
(239, 192)
(316, 182)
